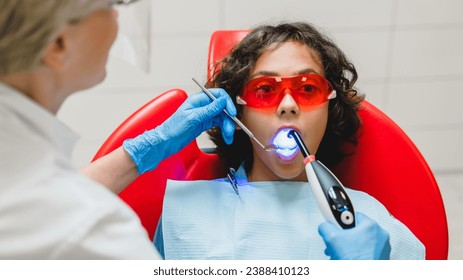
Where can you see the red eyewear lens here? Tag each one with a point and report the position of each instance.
(267, 92)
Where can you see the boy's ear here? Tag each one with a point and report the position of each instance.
(55, 53)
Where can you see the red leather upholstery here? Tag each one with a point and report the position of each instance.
(386, 164)
(222, 41)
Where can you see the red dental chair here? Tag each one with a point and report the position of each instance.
(386, 164)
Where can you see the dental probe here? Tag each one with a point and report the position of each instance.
(268, 148)
(328, 191)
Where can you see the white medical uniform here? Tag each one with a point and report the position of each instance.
(48, 210)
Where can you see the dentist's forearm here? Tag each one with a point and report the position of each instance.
(116, 170)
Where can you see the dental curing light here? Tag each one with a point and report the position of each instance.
(328, 191)
(286, 147)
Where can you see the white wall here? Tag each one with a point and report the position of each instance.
(407, 53)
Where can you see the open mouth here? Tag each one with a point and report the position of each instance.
(287, 147)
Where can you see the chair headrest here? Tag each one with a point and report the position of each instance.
(221, 43)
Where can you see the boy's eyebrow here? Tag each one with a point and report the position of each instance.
(271, 73)
(263, 73)
(308, 71)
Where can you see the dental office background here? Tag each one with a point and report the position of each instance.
(408, 54)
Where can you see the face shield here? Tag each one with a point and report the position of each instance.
(132, 44)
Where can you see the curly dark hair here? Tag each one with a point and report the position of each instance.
(233, 71)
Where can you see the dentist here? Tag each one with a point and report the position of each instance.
(50, 49)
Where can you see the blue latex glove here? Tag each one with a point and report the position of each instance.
(197, 114)
(366, 241)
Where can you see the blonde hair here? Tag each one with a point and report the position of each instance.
(27, 26)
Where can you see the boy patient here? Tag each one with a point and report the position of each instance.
(282, 77)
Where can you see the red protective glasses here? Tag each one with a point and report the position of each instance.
(267, 92)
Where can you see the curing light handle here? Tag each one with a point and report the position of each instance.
(329, 193)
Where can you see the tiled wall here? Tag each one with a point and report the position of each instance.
(408, 54)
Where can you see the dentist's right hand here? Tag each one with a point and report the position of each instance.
(197, 114)
(366, 241)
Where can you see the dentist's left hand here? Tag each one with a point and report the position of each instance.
(197, 114)
(366, 241)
